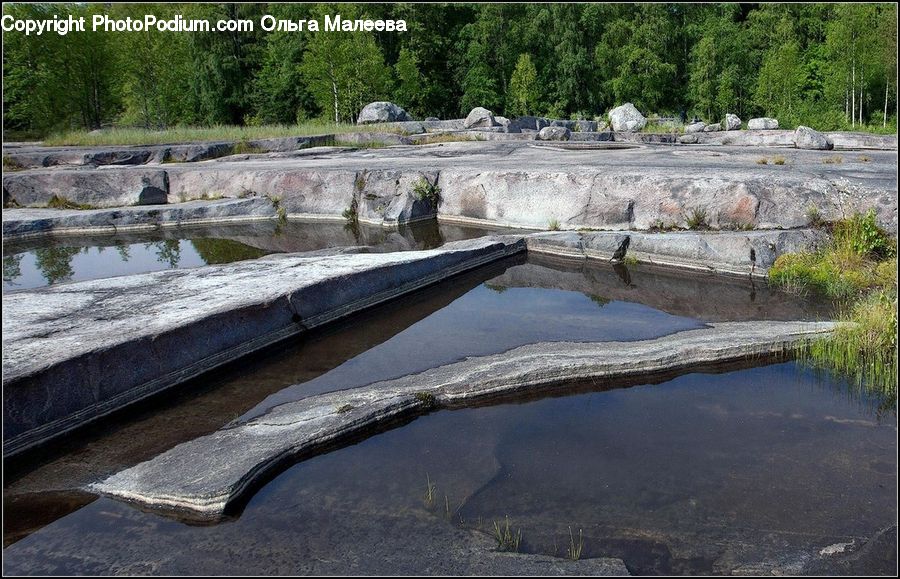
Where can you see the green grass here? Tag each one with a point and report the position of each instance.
(58, 202)
(430, 489)
(507, 540)
(425, 190)
(553, 225)
(136, 136)
(663, 128)
(10, 164)
(857, 269)
(575, 547)
(697, 219)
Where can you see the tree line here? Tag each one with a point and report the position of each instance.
(831, 66)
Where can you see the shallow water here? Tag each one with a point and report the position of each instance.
(40, 262)
(703, 473)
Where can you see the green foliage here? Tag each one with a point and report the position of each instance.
(59, 202)
(832, 67)
(507, 539)
(697, 218)
(862, 235)
(523, 88)
(425, 190)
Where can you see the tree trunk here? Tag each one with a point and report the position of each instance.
(853, 94)
(334, 91)
(887, 85)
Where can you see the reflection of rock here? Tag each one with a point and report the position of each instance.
(709, 298)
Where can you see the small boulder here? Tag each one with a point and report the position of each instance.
(382, 112)
(479, 117)
(807, 138)
(762, 123)
(688, 139)
(694, 128)
(586, 126)
(715, 127)
(732, 122)
(627, 118)
(554, 134)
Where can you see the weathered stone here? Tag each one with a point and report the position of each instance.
(735, 252)
(63, 346)
(563, 123)
(479, 117)
(713, 128)
(554, 134)
(627, 118)
(203, 476)
(432, 119)
(732, 122)
(382, 112)
(23, 223)
(585, 126)
(694, 128)
(762, 123)
(94, 188)
(690, 139)
(807, 138)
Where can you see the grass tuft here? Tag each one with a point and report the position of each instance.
(58, 202)
(697, 219)
(553, 225)
(575, 548)
(507, 540)
(858, 268)
(833, 160)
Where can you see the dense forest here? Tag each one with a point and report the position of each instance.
(830, 66)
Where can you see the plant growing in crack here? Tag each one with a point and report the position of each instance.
(575, 547)
(507, 540)
(697, 219)
(425, 190)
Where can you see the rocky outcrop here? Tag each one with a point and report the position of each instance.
(807, 138)
(627, 118)
(762, 123)
(479, 117)
(90, 188)
(694, 128)
(203, 476)
(63, 346)
(382, 112)
(732, 122)
(554, 134)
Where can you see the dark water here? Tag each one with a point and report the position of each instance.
(46, 261)
(685, 476)
(705, 473)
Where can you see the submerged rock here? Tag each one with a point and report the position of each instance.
(627, 118)
(382, 112)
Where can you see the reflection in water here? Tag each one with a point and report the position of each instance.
(703, 473)
(49, 260)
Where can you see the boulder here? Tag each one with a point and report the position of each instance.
(479, 117)
(807, 138)
(560, 123)
(694, 128)
(690, 139)
(382, 112)
(762, 123)
(732, 122)
(585, 126)
(715, 127)
(627, 118)
(554, 134)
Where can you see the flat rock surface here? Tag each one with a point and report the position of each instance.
(519, 183)
(74, 351)
(202, 476)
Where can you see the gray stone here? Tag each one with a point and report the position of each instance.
(432, 119)
(585, 126)
(563, 123)
(713, 128)
(732, 122)
(63, 345)
(733, 252)
(807, 138)
(762, 123)
(93, 188)
(25, 223)
(382, 112)
(694, 128)
(554, 134)
(203, 476)
(690, 139)
(627, 118)
(479, 117)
